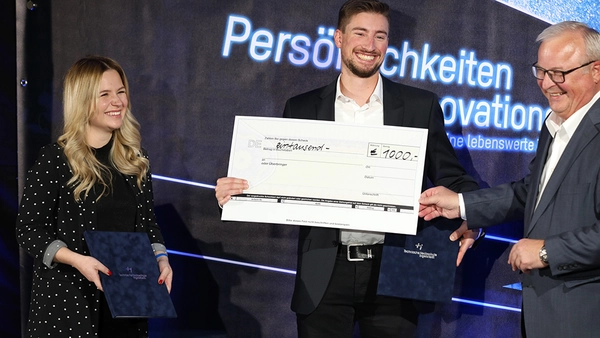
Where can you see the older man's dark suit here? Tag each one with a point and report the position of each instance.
(562, 300)
(403, 106)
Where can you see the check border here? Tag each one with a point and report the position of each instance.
(284, 192)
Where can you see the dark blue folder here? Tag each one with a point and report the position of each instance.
(133, 289)
(420, 267)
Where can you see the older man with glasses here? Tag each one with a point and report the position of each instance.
(559, 200)
(557, 76)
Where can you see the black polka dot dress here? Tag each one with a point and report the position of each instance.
(63, 302)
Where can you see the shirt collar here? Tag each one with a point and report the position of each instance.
(377, 95)
(554, 122)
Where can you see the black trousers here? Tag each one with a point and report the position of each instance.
(351, 299)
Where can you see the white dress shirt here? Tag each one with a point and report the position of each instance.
(561, 132)
(371, 113)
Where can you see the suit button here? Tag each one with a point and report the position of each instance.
(334, 243)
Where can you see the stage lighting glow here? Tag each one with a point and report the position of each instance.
(293, 272)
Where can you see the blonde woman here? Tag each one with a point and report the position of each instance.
(95, 177)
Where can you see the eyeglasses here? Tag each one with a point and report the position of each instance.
(557, 76)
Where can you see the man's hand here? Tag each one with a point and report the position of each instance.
(525, 255)
(438, 201)
(467, 238)
(228, 186)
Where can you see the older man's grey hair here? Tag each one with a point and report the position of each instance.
(590, 36)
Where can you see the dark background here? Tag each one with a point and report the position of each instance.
(236, 279)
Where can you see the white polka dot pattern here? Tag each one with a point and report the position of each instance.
(63, 302)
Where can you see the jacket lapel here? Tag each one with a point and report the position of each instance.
(536, 175)
(325, 108)
(393, 105)
(585, 132)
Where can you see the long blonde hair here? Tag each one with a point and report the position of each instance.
(80, 99)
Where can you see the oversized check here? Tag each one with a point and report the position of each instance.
(327, 174)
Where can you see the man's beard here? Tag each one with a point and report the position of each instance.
(362, 73)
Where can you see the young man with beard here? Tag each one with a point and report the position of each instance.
(333, 293)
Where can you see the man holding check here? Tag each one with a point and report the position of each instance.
(332, 293)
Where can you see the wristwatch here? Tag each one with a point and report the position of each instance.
(543, 255)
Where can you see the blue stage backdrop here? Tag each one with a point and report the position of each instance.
(194, 65)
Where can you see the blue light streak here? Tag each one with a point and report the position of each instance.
(177, 180)
(514, 286)
(500, 239)
(495, 306)
(229, 261)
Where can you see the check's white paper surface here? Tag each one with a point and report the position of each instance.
(327, 174)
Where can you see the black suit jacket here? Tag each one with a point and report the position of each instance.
(47, 213)
(403, 106)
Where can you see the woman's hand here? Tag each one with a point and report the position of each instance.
(166, 273)
(88, 266)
